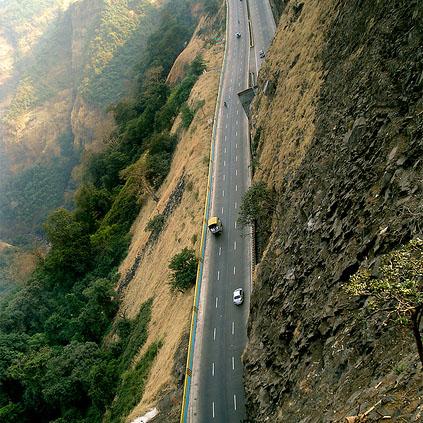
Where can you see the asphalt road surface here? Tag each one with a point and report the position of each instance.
(217, 394)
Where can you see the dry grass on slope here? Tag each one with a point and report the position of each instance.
(171, 312)
(187, 56)
(288, 116)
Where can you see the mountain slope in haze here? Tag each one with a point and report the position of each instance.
(71, 350)
(338, 140)
(65, 63)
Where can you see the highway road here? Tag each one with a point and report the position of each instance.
(217, 392)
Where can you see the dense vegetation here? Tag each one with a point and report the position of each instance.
(257, 209)
(25, 200)
(184, 270)
(113, 50)
(65, 355)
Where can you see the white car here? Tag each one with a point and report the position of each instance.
(261, 54)
(238, 35)
(238, 296)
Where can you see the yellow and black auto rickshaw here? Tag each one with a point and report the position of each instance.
(215, 225)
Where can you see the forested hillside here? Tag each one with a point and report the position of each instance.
(67, 62)
(65, 354)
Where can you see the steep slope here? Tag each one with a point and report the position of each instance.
(65, 63)
(337, 136)
(74, 347)
(15, 267)
(145, 272)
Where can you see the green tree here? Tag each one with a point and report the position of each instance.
(187, 115)
(70, 253)
(395, 288)
(257, 208)
(257, 205)
(184, 270)
(92, 205)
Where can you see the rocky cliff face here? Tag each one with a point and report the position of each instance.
(338, 135)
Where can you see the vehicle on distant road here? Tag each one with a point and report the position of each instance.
(238, 35)
(261, 54)
(238, 296)
(215, 225)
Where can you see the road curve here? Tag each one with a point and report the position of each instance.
(217, 392)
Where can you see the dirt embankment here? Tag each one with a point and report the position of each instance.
(339, 136)
(145, 272)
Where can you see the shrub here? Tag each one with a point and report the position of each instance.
(257, 208)
(184, 268)
(155, 224)
(396, 288)
(187, 115)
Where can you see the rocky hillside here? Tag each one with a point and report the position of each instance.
(64, 62)
(338, 137)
